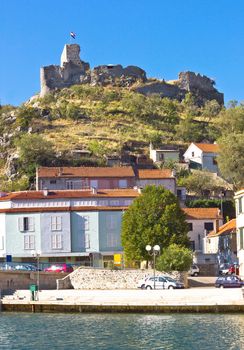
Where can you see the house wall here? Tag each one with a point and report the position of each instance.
(110, 231)
(208, 162)
(197, 157)
(15, 238)
(156, 155)
(85, 232)
(48, 230)
(2, 235)
(240, 230)
(167, 183)
(197, 235)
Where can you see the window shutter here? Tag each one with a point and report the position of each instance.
(31, 224)
(21, 224)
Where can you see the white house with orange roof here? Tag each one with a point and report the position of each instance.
(202, 156)
(223, 243)
(201, 221)
(239, 201)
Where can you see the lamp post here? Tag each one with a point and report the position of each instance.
(155, 250)
(36, 254)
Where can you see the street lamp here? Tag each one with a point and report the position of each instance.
(155, 250)
(36, 254)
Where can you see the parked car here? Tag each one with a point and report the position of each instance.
(25, 267)
(229, 269)
(141, 282)
(162, 282)
(59, 268)
(228, 282)
(194, 270)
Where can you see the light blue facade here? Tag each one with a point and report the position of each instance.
(20, 240)
(84, 231)
(110, 231)
(61, 233)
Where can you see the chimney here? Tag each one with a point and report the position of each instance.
(139, 190)
(45, 192)
(60, 171)
(173, 173)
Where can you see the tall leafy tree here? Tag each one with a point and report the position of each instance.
(155, 217)
(231, 158)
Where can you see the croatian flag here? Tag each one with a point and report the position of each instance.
(73, 35)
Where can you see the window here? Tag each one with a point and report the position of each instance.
(208, 226)
(122, 183)
(94, 183)
(29, 242)
(69, 185)
(57, 241)
(190, 226)
(53, 182)
(112, 240)
(241, 231)
(111, 222)
(192, 245)
(85, 223)
(1, 242)
(192, 154)
(26, 224)
(56, 223)
(240, 205)
(87, 241)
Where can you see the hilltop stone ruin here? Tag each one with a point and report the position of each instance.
(73, 70)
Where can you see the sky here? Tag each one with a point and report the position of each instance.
(164, 37)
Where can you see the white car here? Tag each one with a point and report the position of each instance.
(161, 282)
(194, 270)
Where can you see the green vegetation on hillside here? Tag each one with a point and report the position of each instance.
(107, 120)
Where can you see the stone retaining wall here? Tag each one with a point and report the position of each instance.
(90, 278)
(22, 280)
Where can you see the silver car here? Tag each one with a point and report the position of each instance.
(162, 282)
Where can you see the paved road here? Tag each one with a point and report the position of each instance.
(201, 281)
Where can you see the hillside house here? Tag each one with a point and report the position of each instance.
(239, 200)
(223, 243)
(202, 156)
(158, 177)
(76, 178)
(201, 221)
(164, 154)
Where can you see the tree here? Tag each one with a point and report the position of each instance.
(198, 182)
(33, 151)
(231, 158)
(153, 218)
(174, 258)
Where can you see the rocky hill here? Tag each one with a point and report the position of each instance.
(84, 116)
(75, 71)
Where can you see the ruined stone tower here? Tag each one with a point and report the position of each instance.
(71, 70)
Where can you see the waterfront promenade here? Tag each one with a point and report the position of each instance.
(187, 300)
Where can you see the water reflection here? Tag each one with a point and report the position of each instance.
(121, 331)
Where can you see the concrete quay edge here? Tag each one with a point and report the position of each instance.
(47, 307)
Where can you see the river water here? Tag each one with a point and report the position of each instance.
(121, 331)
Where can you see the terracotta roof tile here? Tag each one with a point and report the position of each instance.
(89, 172)
(229, 227)
(154, 174)
(202, 213)
(208, 147)
(52, 194)
(61, 209)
